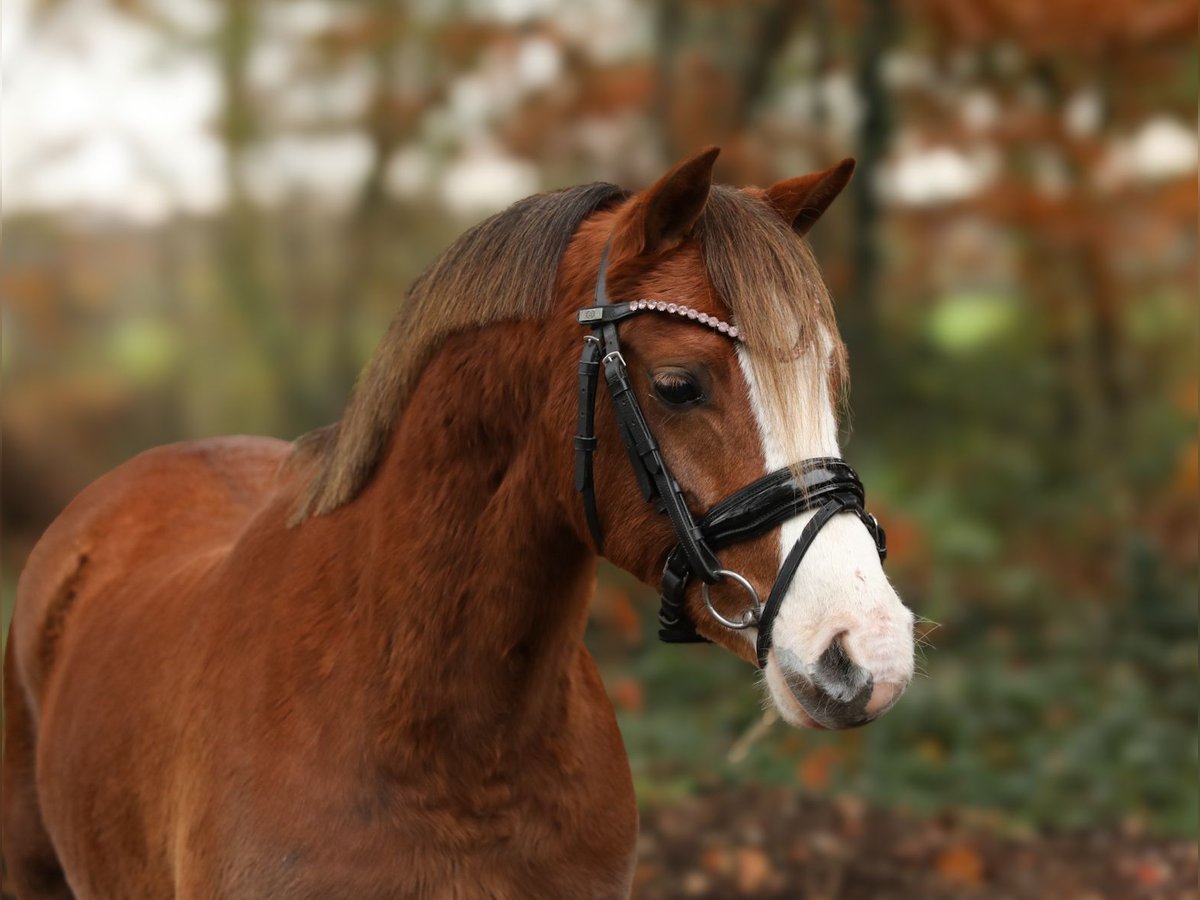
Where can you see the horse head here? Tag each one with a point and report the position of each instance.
(736, 371)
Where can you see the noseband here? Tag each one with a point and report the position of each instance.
(824, 484)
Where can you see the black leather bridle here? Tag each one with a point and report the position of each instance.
(824, 484)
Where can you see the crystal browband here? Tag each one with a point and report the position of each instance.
(678, 309)
(598, 316)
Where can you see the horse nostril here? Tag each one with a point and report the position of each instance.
(838, 676)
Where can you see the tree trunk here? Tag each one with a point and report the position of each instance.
(876, 37)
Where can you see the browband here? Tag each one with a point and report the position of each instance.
(827, 485)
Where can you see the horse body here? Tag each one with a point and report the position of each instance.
(229, 707)
(354, 667)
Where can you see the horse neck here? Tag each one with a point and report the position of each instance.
(470, 579)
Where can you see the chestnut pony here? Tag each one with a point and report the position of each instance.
(354, 666)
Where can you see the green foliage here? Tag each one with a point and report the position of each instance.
(968, 322)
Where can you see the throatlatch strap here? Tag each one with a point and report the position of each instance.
(787, 571)
(589, 376)
(585, 436)
(675, 624)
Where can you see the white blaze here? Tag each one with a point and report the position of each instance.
(840, 587)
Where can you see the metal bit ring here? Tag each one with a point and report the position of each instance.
(749, 617)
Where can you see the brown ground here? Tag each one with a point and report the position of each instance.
(772, 843)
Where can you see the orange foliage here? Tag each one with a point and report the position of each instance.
(815, 770)
(961, 864)
(718, 860)
(1187, 473)
(1061, 26)
(753, 870)
(627, 694)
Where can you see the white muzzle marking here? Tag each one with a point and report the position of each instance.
(840, 590)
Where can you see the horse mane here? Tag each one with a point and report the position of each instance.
(461, 289)
(759, 267)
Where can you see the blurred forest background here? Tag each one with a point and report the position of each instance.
(213, 207)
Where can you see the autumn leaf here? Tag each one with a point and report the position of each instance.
(717, 860)
(1150, 874)
(627, 694)
(815, 769)
(1187, 476)
(753, 870)
(961, 864)
(625, 618)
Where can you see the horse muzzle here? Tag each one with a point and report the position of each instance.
(834, 692)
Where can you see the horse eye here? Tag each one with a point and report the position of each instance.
(678, 389)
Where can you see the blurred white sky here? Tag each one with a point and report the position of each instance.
(101, 115)
(95, 117)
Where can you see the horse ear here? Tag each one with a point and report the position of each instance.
(801, 201)
(666, 212)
